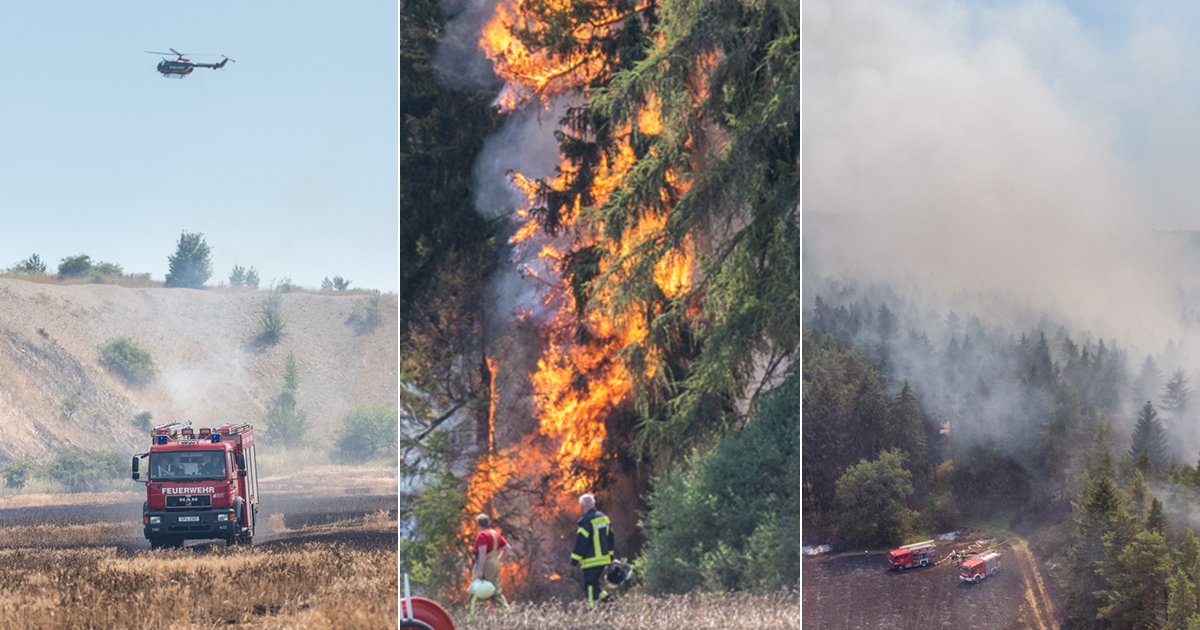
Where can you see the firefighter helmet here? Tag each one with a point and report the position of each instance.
(616, 574)
(481, 589)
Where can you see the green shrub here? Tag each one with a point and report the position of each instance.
(16, 475)
(368, 431)
(367, 313)
(432, 554)
(270, 321)
(124, 358)
(670, 561)
(285, 423)
(142, 421)
(744, 492)
(80, 471)
(103, 272)
(30, 265)
(70, 405)
(75, 266)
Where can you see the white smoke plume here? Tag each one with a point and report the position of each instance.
(943, 149)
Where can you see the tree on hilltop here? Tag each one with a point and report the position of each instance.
(74, 266)
(33, 264)
(237, 277)
(191, 264)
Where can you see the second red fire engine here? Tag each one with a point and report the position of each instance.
(915, 555)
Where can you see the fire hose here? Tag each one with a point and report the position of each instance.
(419, 613)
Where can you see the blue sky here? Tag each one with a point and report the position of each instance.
(284, 160)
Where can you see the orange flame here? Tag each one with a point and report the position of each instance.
(491, 364)
(540, 73)
(580, 379)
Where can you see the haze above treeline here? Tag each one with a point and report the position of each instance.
(1033, 156)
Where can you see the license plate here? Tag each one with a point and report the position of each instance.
(189, 519)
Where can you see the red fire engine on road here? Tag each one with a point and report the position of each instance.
(199, 485)
(919, 554)
(979, 567)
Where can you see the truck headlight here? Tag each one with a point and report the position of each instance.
(223, 517)
(155, 520)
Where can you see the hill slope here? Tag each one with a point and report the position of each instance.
(53, 389)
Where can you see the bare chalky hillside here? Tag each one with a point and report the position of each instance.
(208, 366)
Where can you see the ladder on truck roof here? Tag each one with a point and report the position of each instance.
(171, 428)
(233, 428)
(924, 543)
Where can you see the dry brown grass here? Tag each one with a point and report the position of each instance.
(309, 586)
(43, 499)
(58, 535)
(97, 583)
(693, 611)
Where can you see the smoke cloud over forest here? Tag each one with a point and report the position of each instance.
(1007, 152)
(998, 171)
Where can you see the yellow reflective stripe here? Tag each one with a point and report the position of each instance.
(598, 561)
(576, 556)
(596, 523)
(584, 532)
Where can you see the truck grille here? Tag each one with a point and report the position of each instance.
(190, 501)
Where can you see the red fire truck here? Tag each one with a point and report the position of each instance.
(199, 484)
(919, 554)
(979, 567)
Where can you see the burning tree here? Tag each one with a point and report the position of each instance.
(666, 245)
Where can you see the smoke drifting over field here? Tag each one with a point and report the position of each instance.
(992, 152)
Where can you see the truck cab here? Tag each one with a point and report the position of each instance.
(199, 485)
(979, 567)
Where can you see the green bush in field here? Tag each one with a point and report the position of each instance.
(16, 475)
(124, 358)
(368, 431)
(81, 471)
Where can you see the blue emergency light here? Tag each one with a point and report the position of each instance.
(216, 437)
(162, 439)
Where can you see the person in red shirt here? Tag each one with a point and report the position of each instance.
(490, 547)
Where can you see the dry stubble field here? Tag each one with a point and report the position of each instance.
(319, 561)
(694, 611)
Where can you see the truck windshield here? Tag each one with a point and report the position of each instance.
(187, 465)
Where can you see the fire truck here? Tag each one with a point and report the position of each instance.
(979, 567)
(199, 484)
(919, 554)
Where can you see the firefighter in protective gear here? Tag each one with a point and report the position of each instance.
(594, 548)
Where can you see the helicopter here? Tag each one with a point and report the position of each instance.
(180, 67)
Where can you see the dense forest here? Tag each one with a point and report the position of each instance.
(917, 422)
(670, 237)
